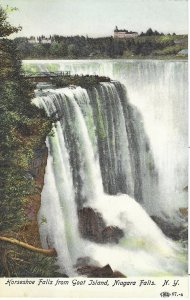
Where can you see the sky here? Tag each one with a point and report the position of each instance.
(97, 17)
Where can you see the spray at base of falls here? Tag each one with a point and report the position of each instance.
(87, 162)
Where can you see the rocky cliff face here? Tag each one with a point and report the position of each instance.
(87, 267)
(93, 227)
(99, 272)
(174, 232)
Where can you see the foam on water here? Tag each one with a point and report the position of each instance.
(77, 176)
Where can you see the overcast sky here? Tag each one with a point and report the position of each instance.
(97, 17)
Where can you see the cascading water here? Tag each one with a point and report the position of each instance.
(58, 206)
(99, 149)
(159, 91)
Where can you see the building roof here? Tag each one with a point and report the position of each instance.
(123, 30)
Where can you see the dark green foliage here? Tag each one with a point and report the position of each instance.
(150, 32)
(87, 81)
(23, 127)
(18, 262)
(14, 187)
(76, 47)
(70, 47)
(18, 119)
(5, 28)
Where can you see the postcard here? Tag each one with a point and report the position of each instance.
(94, 148)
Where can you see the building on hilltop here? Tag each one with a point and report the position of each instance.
(32, 40)
(40, 40)
(124, 34)
(44, 40)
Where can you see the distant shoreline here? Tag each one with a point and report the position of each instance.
(185, 59)
(146, 47)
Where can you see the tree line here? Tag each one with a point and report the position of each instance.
(76, 47)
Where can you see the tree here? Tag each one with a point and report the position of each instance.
(39, 50)
(63, 49)
(19, 120)
(25, 49)
(5, 28)
(58, 49)
(17, 116)
(149, 32)
(55, 49)
(73, 50)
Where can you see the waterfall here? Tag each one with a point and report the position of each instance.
(100, 157)
(158, 89)
(100, 124)
(58, 206)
